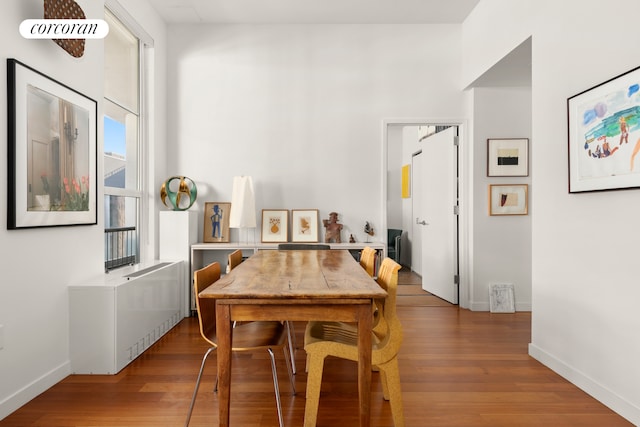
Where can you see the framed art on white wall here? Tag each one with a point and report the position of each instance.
(275, 225)
(304, 225)
(508, 157)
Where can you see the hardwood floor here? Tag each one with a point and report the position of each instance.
(458, 368)
(410, 292)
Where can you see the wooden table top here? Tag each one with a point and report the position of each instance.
(297, 274)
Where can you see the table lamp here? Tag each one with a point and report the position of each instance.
(243, 204)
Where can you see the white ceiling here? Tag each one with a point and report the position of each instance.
(314, 11)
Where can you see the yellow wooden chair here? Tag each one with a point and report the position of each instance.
(251, 336)
(234, 259)
(322, 340)
(368, 260)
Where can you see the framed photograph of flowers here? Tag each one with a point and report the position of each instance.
(52, 151)
(275, 225)
(304, 225)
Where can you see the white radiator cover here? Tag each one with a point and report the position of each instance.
(115, 317)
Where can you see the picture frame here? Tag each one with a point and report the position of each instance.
(604, 135)
(304, 225)
(52, 159)
(275, 225)
(508, 157)
(216, 222)
(509, 199)
(502, 298)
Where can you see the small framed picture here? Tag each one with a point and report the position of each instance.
(501, 298)
(275, 225)
(508, 199)
(508, 157)
(216, 222)
(304, 225)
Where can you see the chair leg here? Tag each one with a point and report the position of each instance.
(274, 371)
(315, 366)
(391, 382)
(292, 344)
(291, 378)
(195, 392)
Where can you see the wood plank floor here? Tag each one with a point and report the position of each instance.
(458, 368)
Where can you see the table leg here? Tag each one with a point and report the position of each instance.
(223, 332)
(364, 363)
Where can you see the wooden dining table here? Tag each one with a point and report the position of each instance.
(295, 285)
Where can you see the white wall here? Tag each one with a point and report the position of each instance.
(300, 108)
(501, 244)
(38, 264)
(584, 281)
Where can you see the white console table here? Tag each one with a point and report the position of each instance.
(204, 253)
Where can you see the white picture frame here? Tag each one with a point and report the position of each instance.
(501, 298)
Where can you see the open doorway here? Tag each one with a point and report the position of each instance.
(429, 237)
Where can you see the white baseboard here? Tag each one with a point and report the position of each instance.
(484, 306)
(35, 388)
(608, 398)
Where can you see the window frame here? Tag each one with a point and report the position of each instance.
(145, 45)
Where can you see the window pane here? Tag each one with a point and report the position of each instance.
(121, 231)
(120, 148)
(121, 65)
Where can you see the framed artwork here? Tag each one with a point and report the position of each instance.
(275, 225)
(304, 225)
(508, 157)
(501, 298)
(508, 199)
(216, 222)
(52, 152)
(406, 181)
(604, 135)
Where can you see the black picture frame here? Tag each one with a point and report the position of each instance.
(604, 135)
(52, 158)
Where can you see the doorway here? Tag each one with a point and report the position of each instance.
(405, 144)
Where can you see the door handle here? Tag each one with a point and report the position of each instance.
(423, 222)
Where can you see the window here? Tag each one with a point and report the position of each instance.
(123, 144)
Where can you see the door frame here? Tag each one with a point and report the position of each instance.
(464, 185)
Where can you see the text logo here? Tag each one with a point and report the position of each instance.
(64, 29)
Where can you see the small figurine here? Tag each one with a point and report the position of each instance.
(333, 229)
(351, 238)
(368, 229)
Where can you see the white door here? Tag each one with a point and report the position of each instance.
(416, 201)
(437, 219)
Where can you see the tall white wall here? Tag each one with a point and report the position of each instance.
(501, 244)
(300, 108)
(38, 264)
(584, 279)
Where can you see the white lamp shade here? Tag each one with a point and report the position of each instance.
(243, 203)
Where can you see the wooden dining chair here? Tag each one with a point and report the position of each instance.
(324, 339)
(234, 259)
(251, 336)
(368, 260)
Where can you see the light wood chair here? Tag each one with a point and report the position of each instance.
(251, 336)
(234, 259)
(322, 340)
(368, 260)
